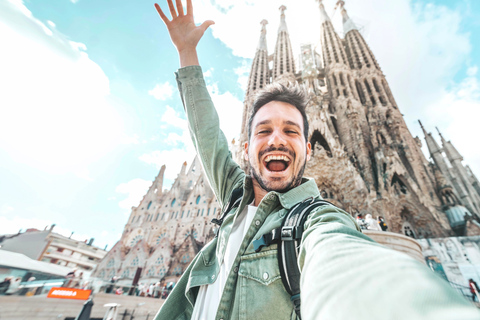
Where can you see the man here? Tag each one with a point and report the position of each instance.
(228, 279)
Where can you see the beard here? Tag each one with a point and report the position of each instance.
(276, 184)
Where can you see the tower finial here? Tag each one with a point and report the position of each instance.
(283, 24)
(264, 24)
(323, 14)
(439, 133)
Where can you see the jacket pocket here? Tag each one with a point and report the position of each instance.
(260, 291)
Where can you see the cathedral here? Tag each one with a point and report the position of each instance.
(364, 160)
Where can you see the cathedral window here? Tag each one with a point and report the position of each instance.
(370, 93)
(163, 215)
(380, 95)
(159, 261)
(188, 213)
(161, 272)
(176, 215)
(173, 213)
(334, 80)
(319, 141)
(156, 217)
(135, 240)
(341, 79)
(214, 210)
(134, 262)
(388, 92)
(198, 213)
(111, 263)
(338, 93)
(177, 271)
(185, 258)
(126, 273)
(160, 238)
(198, 200)
(183, 211)
(149, 205)
(345, 94)
(360, 92)
(195, 234)
(173, 202)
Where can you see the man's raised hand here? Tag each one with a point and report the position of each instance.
(183, 32)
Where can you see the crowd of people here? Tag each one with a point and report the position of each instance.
(369, 223)
(157, 290)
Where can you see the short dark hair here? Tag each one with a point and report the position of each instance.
(278, 92)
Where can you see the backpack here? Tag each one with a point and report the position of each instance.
(288, 238)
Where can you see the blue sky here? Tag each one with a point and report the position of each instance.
(89, 109)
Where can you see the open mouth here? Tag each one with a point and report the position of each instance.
(276, 163)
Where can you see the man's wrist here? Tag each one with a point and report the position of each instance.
(188, 57)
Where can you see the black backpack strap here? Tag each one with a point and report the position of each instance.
(290, 237)
(235, 199)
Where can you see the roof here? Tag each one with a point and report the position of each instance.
(20, 261)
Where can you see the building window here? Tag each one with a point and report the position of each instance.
(149, 205)
(198, 200)
(173, 202)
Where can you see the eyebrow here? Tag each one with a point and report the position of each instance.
(291, 123)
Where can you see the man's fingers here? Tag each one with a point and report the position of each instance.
(206, 24)
(172, 9)
(162, 15)
(179, 7)
(189, 7)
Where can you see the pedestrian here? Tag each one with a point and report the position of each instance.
(382, 224)
(371, 223)
(474, 290)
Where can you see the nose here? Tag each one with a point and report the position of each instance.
(277, 139)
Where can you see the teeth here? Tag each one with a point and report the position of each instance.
(270, 158)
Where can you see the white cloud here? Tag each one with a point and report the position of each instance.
(173, 118)
(57, 114)
(135, 190)
(84, 174)
(230, 111)
(162, 91)
(243, 73)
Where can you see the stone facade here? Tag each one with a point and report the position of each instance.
(365, 160)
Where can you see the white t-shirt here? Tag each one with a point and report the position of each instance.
(209, 296)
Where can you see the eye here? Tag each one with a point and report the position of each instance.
(264, 131)
(291, 132)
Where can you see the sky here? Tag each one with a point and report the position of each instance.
(89, 109)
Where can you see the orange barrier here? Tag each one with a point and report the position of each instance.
(69, 293)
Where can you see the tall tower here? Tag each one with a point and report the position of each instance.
(283, 61)
(348, 113)
(461, 178)
(258, 79)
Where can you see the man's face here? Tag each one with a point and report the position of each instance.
(277, 151)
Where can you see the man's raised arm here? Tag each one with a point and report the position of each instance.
(222, 172)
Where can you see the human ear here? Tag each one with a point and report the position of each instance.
(245, 151)
(309, 150)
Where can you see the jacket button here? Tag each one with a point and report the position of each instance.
(235, 269)
(257, 223)
(265, 276)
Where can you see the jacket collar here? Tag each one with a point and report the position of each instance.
(308, 188)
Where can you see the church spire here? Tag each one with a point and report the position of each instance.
(283, 61)
(450, 150)
(348, 24)
(259, 76)
(332, 46)
(323, 14)
(283, 24)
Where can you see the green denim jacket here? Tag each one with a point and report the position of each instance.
(345, 274)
